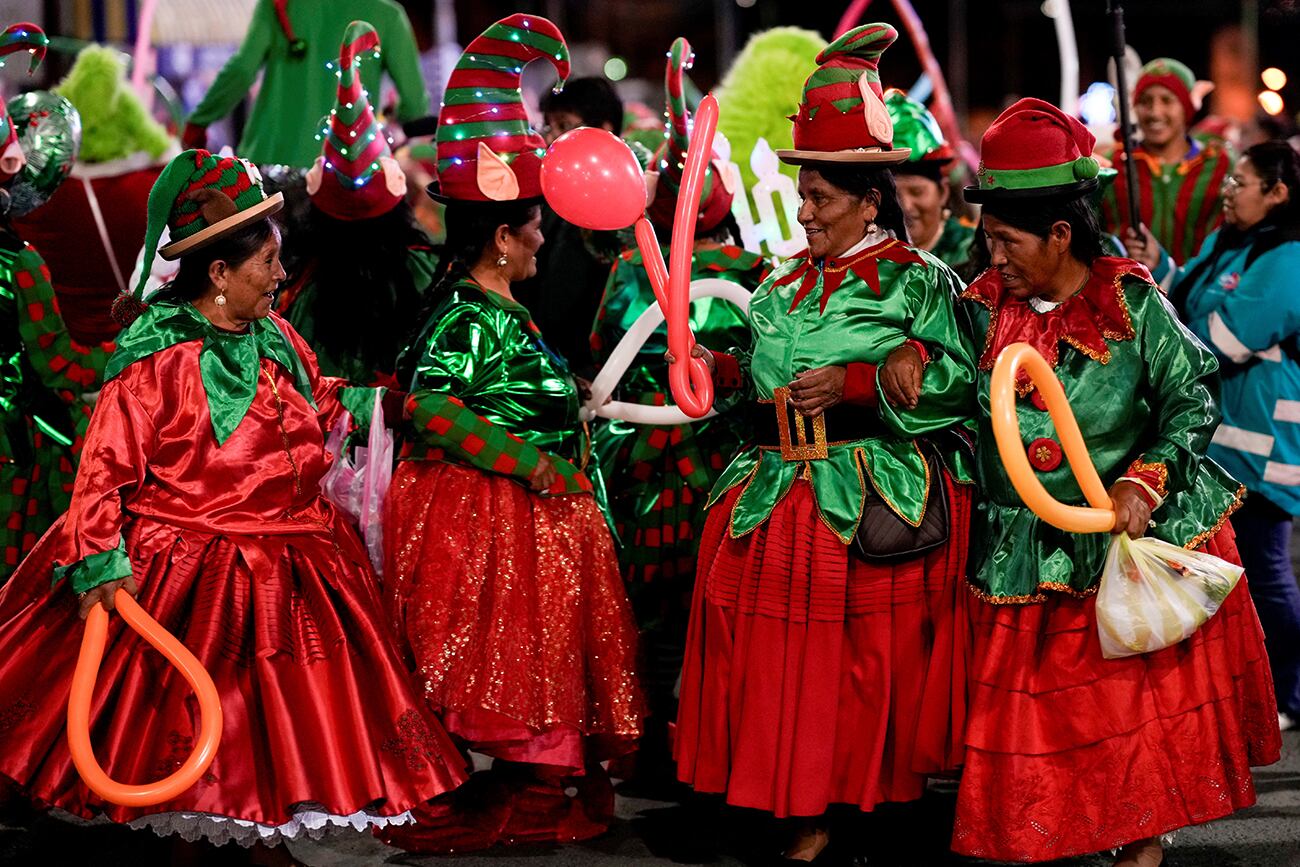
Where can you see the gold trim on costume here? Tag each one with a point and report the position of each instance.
(799, 449)
(1201, 538)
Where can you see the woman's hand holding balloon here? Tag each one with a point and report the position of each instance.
(900, 376)
(106, 594)
(1132, 509)
(697, 351)
(814, 391)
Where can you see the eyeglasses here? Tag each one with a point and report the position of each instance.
(1232, 183)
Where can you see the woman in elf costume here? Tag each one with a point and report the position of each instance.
(923, 182)
(44, 372)
(501, 576)
(359, 235)
(198, 493)
(659, 477)
(1067, 752)
(821, 657)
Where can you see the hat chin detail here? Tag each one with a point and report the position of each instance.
(495, 178)
(879, 124)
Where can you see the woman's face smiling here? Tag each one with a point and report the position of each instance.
(833, 219)
(249, 289)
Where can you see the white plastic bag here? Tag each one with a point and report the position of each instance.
(1154, 594)
(359, 485)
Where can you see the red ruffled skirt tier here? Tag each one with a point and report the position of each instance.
(812, 678)
(514, 614)
(1069, 753)
(319, 714)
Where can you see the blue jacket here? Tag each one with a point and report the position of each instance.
(1243, 302)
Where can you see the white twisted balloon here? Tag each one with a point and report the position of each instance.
(621, 359)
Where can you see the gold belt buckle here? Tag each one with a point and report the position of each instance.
(798, 449)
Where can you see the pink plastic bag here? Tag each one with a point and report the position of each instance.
(358, 485)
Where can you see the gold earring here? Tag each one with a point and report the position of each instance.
(221, 298)
(502, 261)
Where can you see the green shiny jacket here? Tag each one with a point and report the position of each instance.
(855, 309)
(488, 392)
(953, 246)
(1142, 388)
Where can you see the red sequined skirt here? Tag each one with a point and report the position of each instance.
(813, 678)
(319, 714)
(513, 612)
(1069, 753)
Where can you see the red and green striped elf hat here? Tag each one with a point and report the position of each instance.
(200, 197)
(355, 177)
(842, 118)
(23, 36)
(670, 158)
(1170, 73)
(1035, 150)
(486, 150)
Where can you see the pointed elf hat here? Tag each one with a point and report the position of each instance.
(670, 157)
(486, 150)
(916, 129)
(200, 197)
(1034, 150)
(350, 178)
(18, 37)
(842, 118)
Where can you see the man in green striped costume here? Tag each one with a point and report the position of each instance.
(1180, 179)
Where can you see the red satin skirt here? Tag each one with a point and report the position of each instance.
(813, 678)
(1069, 753)
(319, 713)
(514, 614)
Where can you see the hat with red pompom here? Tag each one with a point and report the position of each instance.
(486, 150)
(665, 170)
(842, 118)
(1034, 150)
(355, 177)
(201, 197)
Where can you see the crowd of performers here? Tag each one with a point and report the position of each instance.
(789, 626)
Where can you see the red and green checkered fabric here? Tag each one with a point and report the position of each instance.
(449, 430)
(64, 366)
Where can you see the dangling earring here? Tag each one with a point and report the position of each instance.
(872, 228)
(502, 261)
(221, 298)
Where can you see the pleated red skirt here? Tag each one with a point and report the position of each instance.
(319, 713)
(514, 614)
(812, 678)
(1069, 753)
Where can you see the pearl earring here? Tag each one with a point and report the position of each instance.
(221, 298)
(502, 261)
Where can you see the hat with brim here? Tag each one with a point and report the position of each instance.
(228, 226)
(199, 197)
(1034, 151)
(874, 156)
(842, 117)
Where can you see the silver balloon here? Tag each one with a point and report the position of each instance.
(49, 132)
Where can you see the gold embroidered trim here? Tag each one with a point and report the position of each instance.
(1199, 540)
(1032, 598)
(892, 505)
(1140, 466)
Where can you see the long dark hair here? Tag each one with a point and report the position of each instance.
(470, 227)
(363, 285)
(1276, 162)
(860, 181)
(192, 281)
(1037, 216)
